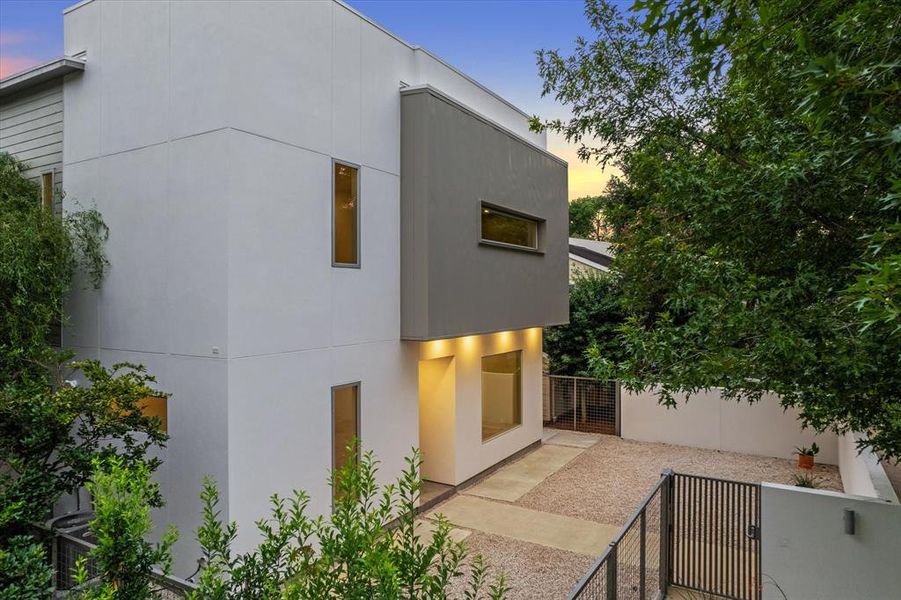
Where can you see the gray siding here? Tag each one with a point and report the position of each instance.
(31, 129)
(453, 160)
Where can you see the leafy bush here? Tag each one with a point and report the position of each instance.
(49, 431)
(123, 495)
(595, 314)
(24, 570)
(68, 428)
(368, 548)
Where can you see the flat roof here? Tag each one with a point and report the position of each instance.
(54, 69)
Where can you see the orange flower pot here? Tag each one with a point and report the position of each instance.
(805, 461)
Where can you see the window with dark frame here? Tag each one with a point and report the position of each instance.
(509, 229)
(346, 216)
(345, 423)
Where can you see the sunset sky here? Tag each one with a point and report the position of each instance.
(492, 41)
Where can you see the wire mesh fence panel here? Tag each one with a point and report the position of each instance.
(68, 552)
(633, 566)
(560, 401)
(70, 549)
(581, 404)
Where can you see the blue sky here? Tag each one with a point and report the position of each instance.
(493, 41)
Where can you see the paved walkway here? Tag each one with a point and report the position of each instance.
(487, 506)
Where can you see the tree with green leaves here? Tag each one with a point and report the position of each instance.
(756, 223)
(595, 316)
(50, 430)
(585, 219)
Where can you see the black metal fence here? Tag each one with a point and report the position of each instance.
(581, 404)
(633, 567)
(698, 533)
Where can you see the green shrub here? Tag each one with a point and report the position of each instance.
(123, 496)
(368, 548)
(24, 570)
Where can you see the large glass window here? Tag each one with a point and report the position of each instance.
(501, 393)
(345, 421)
(346, 217)
(502, 227)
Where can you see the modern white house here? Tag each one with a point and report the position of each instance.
(317, 230)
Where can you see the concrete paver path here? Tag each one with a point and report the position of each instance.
(511, 482)
(547, 529)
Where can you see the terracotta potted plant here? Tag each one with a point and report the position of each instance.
(805, 455)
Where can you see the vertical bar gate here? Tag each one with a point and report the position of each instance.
(694, 532)
(715, 537)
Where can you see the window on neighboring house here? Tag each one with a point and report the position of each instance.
(346, 216)
(502, 227)
(501, 393)
(345, 422)
(47, 191)
(153, 406)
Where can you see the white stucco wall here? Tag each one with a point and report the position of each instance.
(473, 456)
(204, 132)
(806, 552)
(862, 474)
(709, 421)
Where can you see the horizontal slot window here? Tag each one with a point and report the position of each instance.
(502, 227)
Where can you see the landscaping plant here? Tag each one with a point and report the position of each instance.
(757, 221)
(24, 570)
(806, 480)
(123, 496)
(50, 430)
(369, 548)
(806, 455)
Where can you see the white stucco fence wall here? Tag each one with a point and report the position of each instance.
(807, 553)
(708, 421)
(862, 475)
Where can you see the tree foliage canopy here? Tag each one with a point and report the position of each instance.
(50, 430)
(585, 220)
(595, 316)
(756, 224)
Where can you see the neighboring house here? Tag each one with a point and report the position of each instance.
(588, 256)
(317, 231)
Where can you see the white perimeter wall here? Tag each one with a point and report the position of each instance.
(806, 551)
(709, 421)
(862, 473)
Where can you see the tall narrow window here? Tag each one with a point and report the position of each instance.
(501, 393)
(47, 191)
(346, 217)
(345, 421)
(501, 227)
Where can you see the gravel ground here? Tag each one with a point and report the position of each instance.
(607, 482)
(532, 571)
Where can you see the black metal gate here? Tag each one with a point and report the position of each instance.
(715, 536)
(698, 533)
